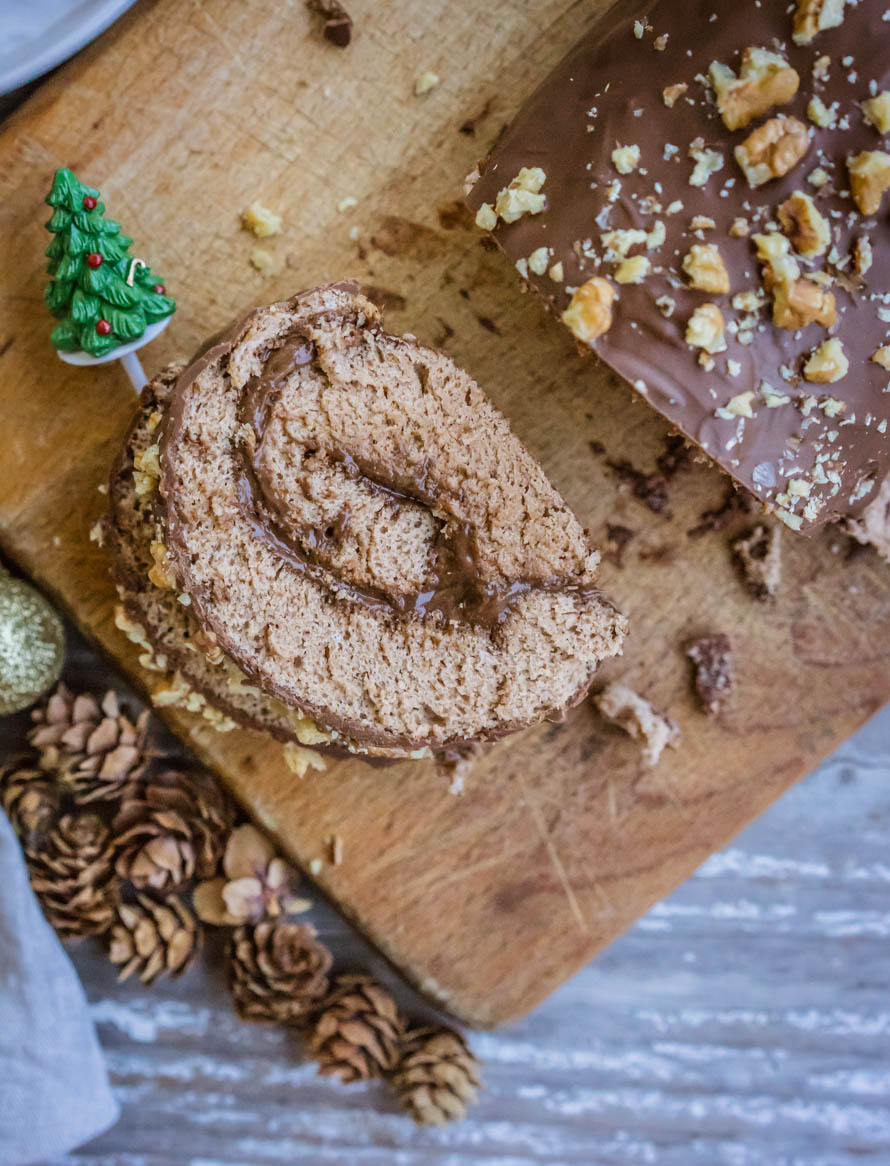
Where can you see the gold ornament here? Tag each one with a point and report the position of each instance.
(32, 644)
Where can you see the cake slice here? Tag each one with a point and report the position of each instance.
(698, 192)
(333, 536)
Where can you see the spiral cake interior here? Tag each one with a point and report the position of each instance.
(355, 526)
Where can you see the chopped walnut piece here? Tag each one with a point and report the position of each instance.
(869, 177)
(701, 223)
(707, 272)
(589, 314)
(671, 93)
(260, 221)
(822, 115)
(772, 149)
(486, 219)
(806, 227)
(774, 252)
(707, 162)
(827, 363)
(814, 16)
(633, 270)
(523, 195)
(764, 80)
(739, 228)
(636, 716)
(626, 159)
(877, 111)
(882, 356)
(705, 329)
(803, 302)
(862, 255)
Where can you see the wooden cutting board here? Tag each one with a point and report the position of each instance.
(184, 113)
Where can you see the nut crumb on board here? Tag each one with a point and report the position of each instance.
(623, 707)
(260, 221)
(426, 83)
(714, 677)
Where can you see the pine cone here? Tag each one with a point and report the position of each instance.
(170, 829)
(73, 876)
(152, 939)
(357, 1034)
(31, 801)
(92, 748)
(437, 1076)
(256, 883)
(277, 971)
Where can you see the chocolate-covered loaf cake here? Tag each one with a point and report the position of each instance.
(327, 532)
(698, 190)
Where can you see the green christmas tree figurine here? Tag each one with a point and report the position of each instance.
(102, 298)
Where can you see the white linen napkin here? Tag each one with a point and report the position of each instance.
(54, 1090)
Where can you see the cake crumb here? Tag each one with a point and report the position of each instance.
(714, 677)
(265, 262)
(758, 555)
(629, 711)
(337, 27)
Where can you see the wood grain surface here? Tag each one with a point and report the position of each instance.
(743, 1021)
(184, 113)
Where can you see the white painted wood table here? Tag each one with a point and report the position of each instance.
(745, 1021)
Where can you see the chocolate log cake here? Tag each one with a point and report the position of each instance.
(698, 191)
(328, 533)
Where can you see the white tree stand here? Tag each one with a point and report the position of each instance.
(125, 353)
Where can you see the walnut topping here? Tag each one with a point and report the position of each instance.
(539, 260)
(626, 159)
(862, 255)
(161, 572)
(739, 228)
(772, 149)
(737, 406)
(774, 252)
(869, 177)
(147, 470)
(803, 302)
(706, 270)
(882, 356)
(877, 112)
(672, 93)
(589, 314)
(618, 243)
(260, 221)
(822, 115)
(707, 162)
(827, 363)
(806, 228)
(523, 195)
(633, 270)
(486, 219)
(764, 80)
(701, 223)
(814, 16)
(705, 329)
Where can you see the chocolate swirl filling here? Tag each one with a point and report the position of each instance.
(455, 588)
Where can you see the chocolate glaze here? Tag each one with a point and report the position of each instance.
(608, 91)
